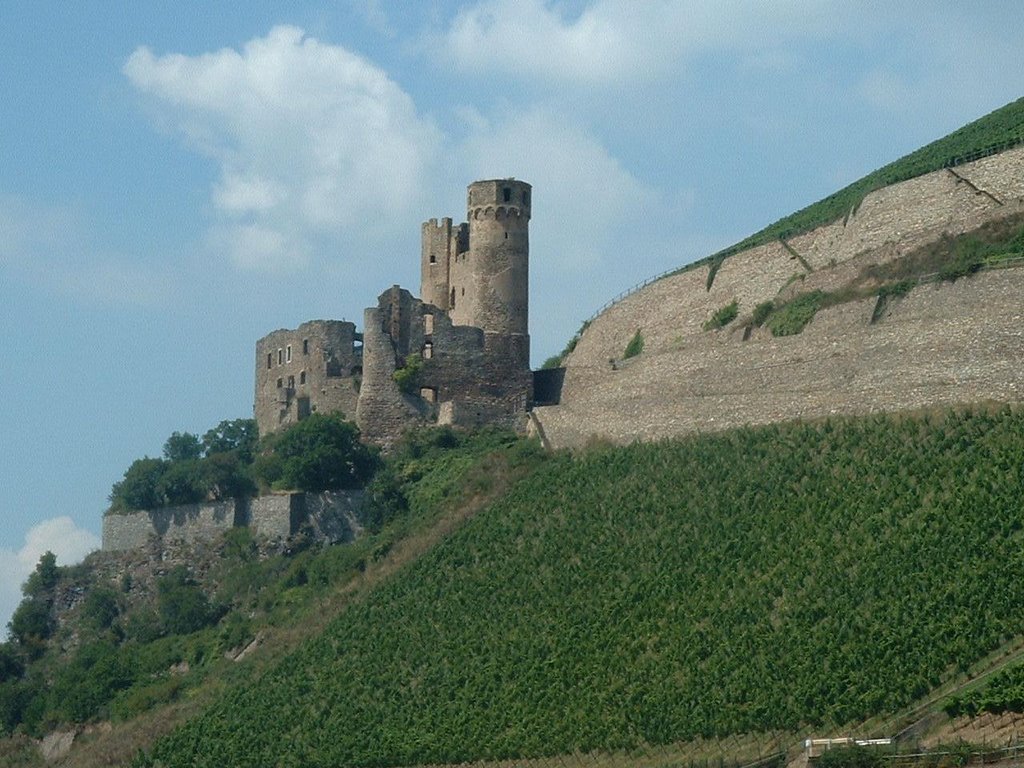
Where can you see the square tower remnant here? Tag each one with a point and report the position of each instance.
(459, 355)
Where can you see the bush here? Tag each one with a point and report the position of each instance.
(183, 606)
(723, 316)
(31, 623)
(97, 672)
(850, 757)
(407, 377)
(793, 316)
(182, 483)
(139, 488)
(635, 346)
(100, 609)
(762, 312)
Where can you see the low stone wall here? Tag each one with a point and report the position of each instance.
(185, 523)
(329, 516)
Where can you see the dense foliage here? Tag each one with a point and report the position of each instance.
(114, 659)
(1003, 693)
(191, 470)
(751, 580)
(318, 453)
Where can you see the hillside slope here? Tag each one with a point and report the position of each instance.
(757, 579)
(935, 343)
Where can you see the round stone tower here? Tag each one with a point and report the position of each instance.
(489, 285)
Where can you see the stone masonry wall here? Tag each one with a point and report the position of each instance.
(315, 367)
(942, 344)
(186, 523)
(328, 516)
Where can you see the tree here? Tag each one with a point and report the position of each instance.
(225, 476)
(138, 489)
(235, 435)
(182, 483)
(31, 625)
(319, 453)
(183, 446)
(43, 579)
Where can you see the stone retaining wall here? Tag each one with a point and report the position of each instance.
(943, 344)
(329, 516)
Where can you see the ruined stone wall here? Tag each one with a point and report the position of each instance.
(328, 516)
(941, 345)
(187, 523)
(435, 260)
(465, 377)
(315, 367)
(383, 411)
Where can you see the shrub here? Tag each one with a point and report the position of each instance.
(635, 346)
(762, 312)
(182, 483)
(182, 604)
(139, 488)
(723, 316)
(100, 609)
(31, 622)
(850, 757)
(793, 316)
(407, 377)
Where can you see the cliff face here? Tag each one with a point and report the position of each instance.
(943, 343)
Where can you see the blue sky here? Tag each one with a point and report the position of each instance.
(178, 179)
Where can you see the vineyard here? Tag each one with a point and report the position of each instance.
(751, 580)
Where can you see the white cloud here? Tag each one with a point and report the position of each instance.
(59, 535)
(622, 41)
(310, 139)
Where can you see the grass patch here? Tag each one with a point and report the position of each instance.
(635, 346)
(793, 316)
(723, 316)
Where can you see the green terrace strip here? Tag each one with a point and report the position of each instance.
(752, 580)
(996, 132)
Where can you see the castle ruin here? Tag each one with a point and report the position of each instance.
(459, 355)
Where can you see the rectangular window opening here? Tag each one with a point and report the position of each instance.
(428, 351)
(280, 383)
(506, 194)
(291, 382)
(270, 360)
(305, 346)
(288, 354)
(428, 324)
(280, 356)
(302, 377)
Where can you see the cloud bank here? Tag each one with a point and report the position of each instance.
(310, 139)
